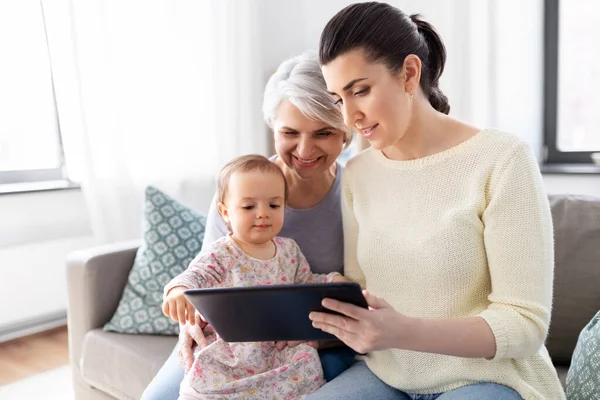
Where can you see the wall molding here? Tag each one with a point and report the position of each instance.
(32, 325)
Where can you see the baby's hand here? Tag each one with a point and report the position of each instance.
(340, 278)
(177, 307)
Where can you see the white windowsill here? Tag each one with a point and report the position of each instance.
(27, 187)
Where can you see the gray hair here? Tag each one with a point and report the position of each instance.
(300, 81)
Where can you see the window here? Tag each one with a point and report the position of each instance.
(30, 146)
(571, 80)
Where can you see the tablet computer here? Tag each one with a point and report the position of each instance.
(270, 313)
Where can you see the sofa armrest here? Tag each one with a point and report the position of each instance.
(96, 278)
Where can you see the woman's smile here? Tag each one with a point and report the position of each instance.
(306, 162)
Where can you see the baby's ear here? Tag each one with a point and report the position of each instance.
(222, 209)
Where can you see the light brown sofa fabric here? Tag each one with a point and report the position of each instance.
(577, 271)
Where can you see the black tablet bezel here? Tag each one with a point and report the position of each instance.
(270, 313)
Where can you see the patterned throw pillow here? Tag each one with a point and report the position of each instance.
(173, 236)
(583, 379)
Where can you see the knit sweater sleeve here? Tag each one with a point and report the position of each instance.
(519, 245)
(352, 269)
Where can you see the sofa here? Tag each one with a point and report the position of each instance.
(111, 365)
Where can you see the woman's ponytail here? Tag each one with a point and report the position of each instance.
(434, 65)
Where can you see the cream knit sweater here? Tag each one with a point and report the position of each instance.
(465, 232)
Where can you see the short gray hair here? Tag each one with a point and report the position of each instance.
(300, 81)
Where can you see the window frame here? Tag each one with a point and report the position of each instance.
(552, 154)
(27, 176)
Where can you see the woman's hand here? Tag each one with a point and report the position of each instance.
(378, 328)
(190, 336)
(293, 343)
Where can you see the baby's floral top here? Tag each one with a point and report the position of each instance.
(250, 370)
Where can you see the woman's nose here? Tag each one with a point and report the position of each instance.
(305, 147)
(351, 114)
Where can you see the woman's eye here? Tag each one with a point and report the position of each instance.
(362, 92)
(290, 133)
(338, 102)
(324, 134)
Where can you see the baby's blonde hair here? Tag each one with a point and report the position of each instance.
(251, 162)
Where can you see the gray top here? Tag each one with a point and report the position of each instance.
(317, 230)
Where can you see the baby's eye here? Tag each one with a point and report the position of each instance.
(275, 206)
(247, 207)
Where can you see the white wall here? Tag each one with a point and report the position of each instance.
(588, 185)
(42, 216)
(37, 230)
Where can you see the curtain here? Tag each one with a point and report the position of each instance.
(165, 91)
(158, 92)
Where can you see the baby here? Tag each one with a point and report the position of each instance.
(252, 196)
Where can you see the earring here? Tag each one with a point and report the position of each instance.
(411, 96)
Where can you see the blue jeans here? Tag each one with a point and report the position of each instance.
(165, 385)
(359, 383)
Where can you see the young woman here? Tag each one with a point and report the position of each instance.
(446, 224)
(309, 135)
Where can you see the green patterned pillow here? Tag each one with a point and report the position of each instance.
(173, 236)
(583, 379)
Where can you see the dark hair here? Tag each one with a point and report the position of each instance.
(388, 35)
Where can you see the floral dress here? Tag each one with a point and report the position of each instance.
(250, 370)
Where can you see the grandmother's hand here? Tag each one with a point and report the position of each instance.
(293, 343)
(364, 330)
(190, 336)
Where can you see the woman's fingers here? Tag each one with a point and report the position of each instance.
(198, 335)
(375, 302)
(185, 352)
(280, 345)
(347, 309)
(341, 327)
(338, 321)
(348, 337)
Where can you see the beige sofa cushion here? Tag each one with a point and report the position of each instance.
(562, 375)
(122, 364)
(577, 271)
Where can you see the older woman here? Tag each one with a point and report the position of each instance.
(309, 135)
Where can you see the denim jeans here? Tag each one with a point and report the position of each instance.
(359, 383)
(165, 385)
